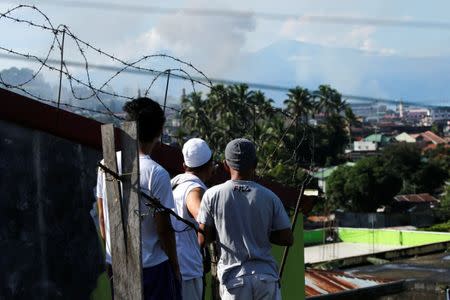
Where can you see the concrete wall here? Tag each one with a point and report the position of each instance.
(381, 220)
(49, 248)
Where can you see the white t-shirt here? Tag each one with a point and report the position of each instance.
(188, 250)
(154, 181)
(244, 214)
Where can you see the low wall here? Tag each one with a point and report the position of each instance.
(382, 220)
(49, 246)
(391, 237)
(313, 237)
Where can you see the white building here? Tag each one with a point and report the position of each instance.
(420, 116)
(440, 114)
(365, 146)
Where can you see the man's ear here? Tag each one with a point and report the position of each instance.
(225, 166)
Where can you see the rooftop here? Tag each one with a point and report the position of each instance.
(319, 283)
(378, 138)
(416, 198)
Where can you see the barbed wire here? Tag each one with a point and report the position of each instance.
(64, 30)
(239, 14)
(61, 34)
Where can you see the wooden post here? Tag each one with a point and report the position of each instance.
(124, 212)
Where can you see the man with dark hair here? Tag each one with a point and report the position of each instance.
(160, 264)
(247, 218)
(188, 189)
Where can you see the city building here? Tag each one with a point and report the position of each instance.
(440, 114)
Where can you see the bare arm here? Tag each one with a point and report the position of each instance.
(167, 237)
(101, 217)
(283, 237)
(193, 201)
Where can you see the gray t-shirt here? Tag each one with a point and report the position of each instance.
(244, 213)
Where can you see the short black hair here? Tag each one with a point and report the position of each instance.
(202, 167)
(148, 115)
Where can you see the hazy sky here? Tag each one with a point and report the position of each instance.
(212, 43)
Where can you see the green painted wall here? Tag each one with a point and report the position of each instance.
(413, 238)
(293, 280)
(313, 237)
(292, 284)
(103, 290)
(391, 237)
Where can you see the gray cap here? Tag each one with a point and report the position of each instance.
(240, 154)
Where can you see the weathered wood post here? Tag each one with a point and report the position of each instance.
(124, 210)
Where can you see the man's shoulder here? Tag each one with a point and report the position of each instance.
(217, 188)
(264, 190)
(149, 165)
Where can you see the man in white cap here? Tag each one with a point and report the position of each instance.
(188, 189)
(247, 218)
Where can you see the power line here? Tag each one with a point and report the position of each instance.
(261, 86)
(208, 12)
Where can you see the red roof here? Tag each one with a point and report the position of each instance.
(433, 146)
(430, 136)
(416, 198)
(320, 219)
(319, 283)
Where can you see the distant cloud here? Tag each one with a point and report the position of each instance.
(214, 44)
(357, 37)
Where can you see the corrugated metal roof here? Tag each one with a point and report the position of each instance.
(416, 198)
(318, 282)
(432, 137)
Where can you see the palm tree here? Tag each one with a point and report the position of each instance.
(299, 103)
(242, 108)
(330, 100)
(193, 115)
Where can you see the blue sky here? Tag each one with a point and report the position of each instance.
(213, 44)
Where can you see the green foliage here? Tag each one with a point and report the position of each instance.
(442, 227)
(363, 187)
(440, 156)
(285, 145)
(374, 181)
(445, 200)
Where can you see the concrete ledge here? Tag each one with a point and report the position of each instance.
(390, 254)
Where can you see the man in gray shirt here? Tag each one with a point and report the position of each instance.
(247, 218)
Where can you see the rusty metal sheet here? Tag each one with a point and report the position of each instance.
(318, 282)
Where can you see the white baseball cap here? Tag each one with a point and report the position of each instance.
(196, 153)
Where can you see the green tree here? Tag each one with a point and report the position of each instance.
(193, 115)
(299, 104)
(374, 181)
(363, 187)
(286, 143)
(329, 101)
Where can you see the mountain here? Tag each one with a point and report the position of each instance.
(351, 71)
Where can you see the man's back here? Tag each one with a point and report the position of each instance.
(244, 214)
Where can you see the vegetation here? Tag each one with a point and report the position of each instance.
(288, 141)
(310, 131)
(374, 181)
(442, 227)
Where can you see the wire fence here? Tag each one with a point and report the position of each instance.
(82, 86)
